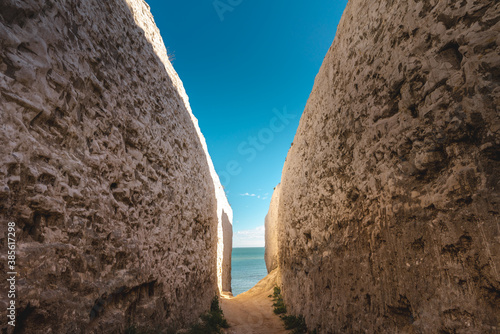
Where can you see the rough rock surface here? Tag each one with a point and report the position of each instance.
(389, 201)
(271, 234)
(225, 246)
(104, 171)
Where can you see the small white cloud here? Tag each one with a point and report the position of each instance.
(250, 238)
(247, 194)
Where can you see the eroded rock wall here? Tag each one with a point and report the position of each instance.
(104, 171)
(271, 232)
(226, 243)
(389, 198)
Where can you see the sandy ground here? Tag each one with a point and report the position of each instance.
(252, 312)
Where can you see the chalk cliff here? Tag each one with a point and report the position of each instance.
(271, 232)
(120, 216)
(389, 200)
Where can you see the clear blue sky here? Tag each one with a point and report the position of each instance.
(247, 66)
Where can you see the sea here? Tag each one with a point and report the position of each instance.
(247, 268)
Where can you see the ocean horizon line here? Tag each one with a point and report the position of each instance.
(250, 247)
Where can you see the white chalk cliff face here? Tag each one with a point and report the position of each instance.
(144, 19)
(389, 201)
(271, 233)
(120, 216)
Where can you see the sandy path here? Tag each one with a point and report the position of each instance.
(252, 312)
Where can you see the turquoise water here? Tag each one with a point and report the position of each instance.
(247, 268)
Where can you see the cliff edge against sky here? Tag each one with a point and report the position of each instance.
(120, 216)
(389, 199)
